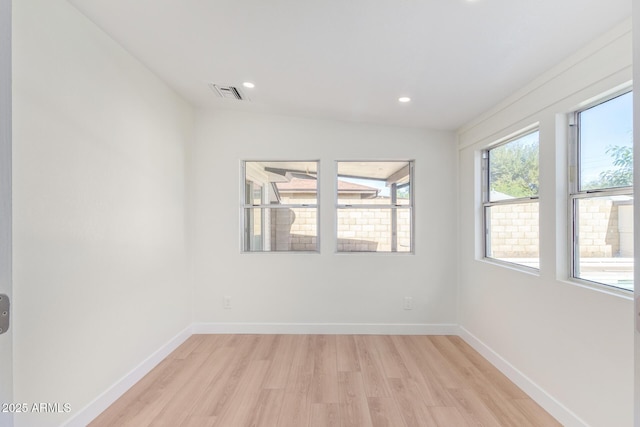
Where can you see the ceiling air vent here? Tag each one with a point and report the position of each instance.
(228, 92)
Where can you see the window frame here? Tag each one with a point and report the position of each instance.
(393, 206)
(247, 203)
(575, 194)
(487, 203)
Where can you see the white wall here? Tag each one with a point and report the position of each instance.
(305, 292)
(6, 339)
(100, 270)
(574, 344)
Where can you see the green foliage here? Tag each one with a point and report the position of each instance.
(621, 175)
(514, 169)
(403, 193)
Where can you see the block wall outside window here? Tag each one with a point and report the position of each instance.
(369, 230)
(515, 231)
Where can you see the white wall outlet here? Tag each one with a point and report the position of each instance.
(227, 303)
(407, 303)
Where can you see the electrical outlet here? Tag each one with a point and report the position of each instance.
(227, 303)
(407, 304)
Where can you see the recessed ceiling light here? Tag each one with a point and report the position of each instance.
(248, 85)
(404, 99)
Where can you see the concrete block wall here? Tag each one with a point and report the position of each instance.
(370, 229)
(515, 229)
(358, 229)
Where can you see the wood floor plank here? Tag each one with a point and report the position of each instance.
(267, 409)
(432, 391)
(390, 359)
(491, 372)
(218, 392)
(354, 408)
(199, 421)
(304, 354)
(473, 409)
(347, 354)
(324, 380)
(209, 344)
(144, 410)
(535, 413)
(495, 399)
(325, 415)
(296, 405)
(324, 385)
(281, 361)
(435, 362)
(264, 347)
(150, 384)
(182, 405)
(385, 413)
(447, 416)
(412, 406)
(187, 347)
(244, 401)
(375, 382)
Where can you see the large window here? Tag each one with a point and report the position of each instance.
(510, 192)
(374, 206)
(280, 206)
(601, 197)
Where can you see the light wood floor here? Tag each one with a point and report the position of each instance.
(324, 381)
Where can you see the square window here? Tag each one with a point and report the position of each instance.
(280, 206)
(374, 206)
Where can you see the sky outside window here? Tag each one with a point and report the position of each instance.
(602, 129)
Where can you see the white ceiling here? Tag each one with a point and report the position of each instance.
(352, 59)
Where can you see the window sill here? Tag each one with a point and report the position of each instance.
(512, 266)
(598, 287)
(372, 253)
(282, 252)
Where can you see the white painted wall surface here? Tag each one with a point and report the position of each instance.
(100, 267)
(6, 339)
(575, 344)
(306, 292)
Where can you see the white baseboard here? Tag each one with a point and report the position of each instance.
(102, 402)
(537, 393)
(326, 328)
